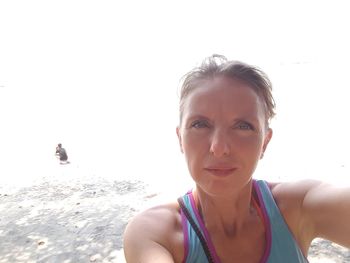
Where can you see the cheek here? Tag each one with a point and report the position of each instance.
(191, 148)
(195, 150)
(248, 147)
(192, 140)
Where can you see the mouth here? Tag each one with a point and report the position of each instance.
(221, 172)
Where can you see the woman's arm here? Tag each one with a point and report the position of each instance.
(146, 237)
(315, 209)
(328, 207)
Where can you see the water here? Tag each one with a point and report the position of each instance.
(120, 142)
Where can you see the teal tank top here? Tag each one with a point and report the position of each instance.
(280, 243)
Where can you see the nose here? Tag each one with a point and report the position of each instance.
(220, 144)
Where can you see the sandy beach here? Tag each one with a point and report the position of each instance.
(62, 218)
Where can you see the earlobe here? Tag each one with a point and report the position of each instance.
(179, 138)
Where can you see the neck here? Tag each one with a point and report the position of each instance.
(226, 213)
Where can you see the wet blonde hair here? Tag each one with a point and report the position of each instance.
(218, 65)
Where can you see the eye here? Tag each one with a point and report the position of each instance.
(198, 124)
(244, 126)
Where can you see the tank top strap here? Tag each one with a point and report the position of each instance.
(281, 243)
(198, 246)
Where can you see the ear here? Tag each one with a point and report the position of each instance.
(179, 137)
(267, 139)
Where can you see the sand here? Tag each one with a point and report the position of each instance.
(64, 219)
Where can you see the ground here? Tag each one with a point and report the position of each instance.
(82, 220)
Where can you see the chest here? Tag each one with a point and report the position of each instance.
(249, 246)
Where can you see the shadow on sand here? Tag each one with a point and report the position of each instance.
(77, 222)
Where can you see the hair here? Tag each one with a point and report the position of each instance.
(218, 65)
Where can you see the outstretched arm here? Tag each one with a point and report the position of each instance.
(314, 209)
(329, 209)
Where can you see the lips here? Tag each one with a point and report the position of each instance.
(220, 171)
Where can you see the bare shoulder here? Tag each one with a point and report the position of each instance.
(154, 235)
(290, 198)
(296, 196)
(158, 218)
(295, 189)
(315, 209)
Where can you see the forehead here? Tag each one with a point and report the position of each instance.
(224, 95)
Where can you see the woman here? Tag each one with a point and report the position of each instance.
(225, 109)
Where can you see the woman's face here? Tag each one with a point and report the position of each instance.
(223, 134)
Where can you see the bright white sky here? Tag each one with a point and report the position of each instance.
(104, 75)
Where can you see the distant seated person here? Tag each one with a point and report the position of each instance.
(61, 154)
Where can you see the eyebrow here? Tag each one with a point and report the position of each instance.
(194, 117)
(237, 119)
(249, 119)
